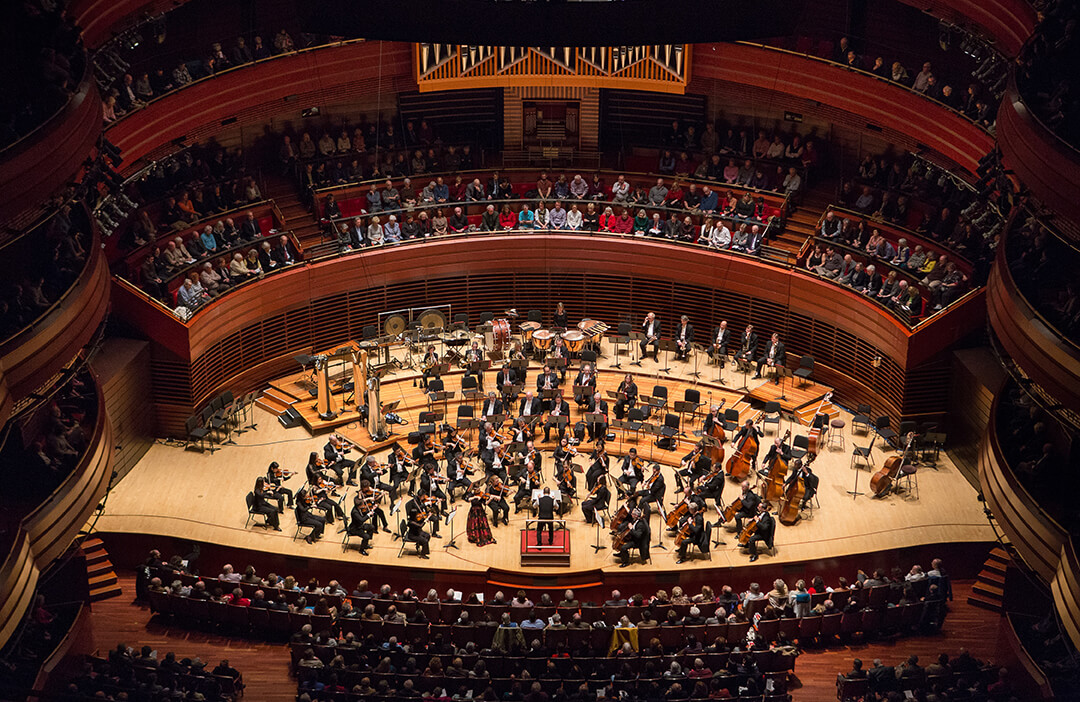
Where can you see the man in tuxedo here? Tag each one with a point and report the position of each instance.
(597, 502)
(545, 515)
(416, 531)
(547, 380)
(597, 405)
(697, 532)
(629, 388)
(250, 229)
(360, 524)
(773, 357)
(639, 538)
(628, 474)
(747, 345)
(597, 467)
(505, 380)
(430, 364)
(492, 406)
(765, 529)
(559, 408)
(721, 336)
(749, 501)
(530, 405)
(684, 336)
(586, 378)
(651, 329)
(334, 453)
(695, 464)
(654, 488)
(801, 471)
(746, 429)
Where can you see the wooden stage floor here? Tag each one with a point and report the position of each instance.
(184, 494)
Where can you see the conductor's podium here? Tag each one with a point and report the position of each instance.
(553, 555)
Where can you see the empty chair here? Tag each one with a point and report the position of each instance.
(660, 392)
(197, 433)
(731, 419)
(861, 419)
(469, 388)
(861, 453)
(771, 416)
(670, 430)
(799, 446)
(885, 430)
(536, 316)
(805, 369)
(486, 317)
(369, 331)
(461, 321)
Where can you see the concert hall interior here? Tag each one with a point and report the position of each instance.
(356, 350)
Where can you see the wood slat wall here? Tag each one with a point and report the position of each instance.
(123, 369)
(588, 117)
(975, 380)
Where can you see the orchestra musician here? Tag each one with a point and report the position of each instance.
(690, 496)
(523, 431)
(495, 463)
(305, 517)
(559, 408)
(492, 406)
(695, 530)
(713, 487)
(639, 538)
(474, 354)
(596, 501)
(476, 526)
(371, 497)
(651, 328)
(263, 505)
(630, 474)
(505, 380)
(316, 472)
(628, 388)
(416, 516)
(360, 522)
(801, 471)
(695, 464)
(497, 502)
(429, 485)
(458, 472)
(334, 452)
(712, 419)
(585, 378)
(559, 319)
(425, 452)
(721, 337)
(547, 380)
(528, 480)
(559, 351)
(766, 527)
(653, 488)
(750, 502)
(778, 448)
(531, 454)
(598, 465)
(453, 444)
(430, 366)
(748, 429)
(400, 464)
(530, 405)
(597, 405)
(314, 497)
(370, 471)
(747, 345)
(684, 336)
(275, 476)
(773, 357)
(545, 516)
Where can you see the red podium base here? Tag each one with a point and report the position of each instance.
(557, 554)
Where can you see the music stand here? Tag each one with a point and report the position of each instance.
(718, 541)
(667, 346)
(623, 424)
(932, 442)
(697, 350)
(635, 339)
(743, 366)
(450, 520)
(394, 509)
(596, 418)
(660, 532)
(561, 420)
(583, 391)
(655, 430)
(468, 424)
(477, 368)
(441, 396)
(597, 547)
(683, 407)
(721, 361)
(617, 340)
(782, 373)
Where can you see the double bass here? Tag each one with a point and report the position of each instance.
(739, 465)
(774, 484)
(793, 497)
(716, 431)
(813, 439)
(883, 481)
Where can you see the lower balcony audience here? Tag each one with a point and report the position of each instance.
(953, 679)
(1043, 268)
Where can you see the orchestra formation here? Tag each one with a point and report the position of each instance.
(502, 467)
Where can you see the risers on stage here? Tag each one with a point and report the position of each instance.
(550, 555)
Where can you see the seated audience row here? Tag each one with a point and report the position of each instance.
(956, 679)
(144, 675)
(1044, 269)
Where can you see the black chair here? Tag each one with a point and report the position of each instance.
(535, 316)
(435, 385)
(669, 431)
(197, 433)
(885, 430)
(370, 331)
(799, 446)
(660, 392)
(625, 328)
(588, 356)
(772, 415)
(486, 317)
(861, 418)
(427, 418)
(210, 419)
(905, 428)
(731, 419)
(403, 534)
(469, 388)
(805, 369)
(250, 499)
(461, 321)
(464, 414)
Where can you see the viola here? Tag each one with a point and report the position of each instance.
(883, 481)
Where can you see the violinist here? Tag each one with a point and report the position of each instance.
(263, 504)
(628, 393)
(651, 329)
(563, 455)
(530, 454)
(370, 472)
(559, 408)
(801, 471)
(426, 452)
(476, 526)
(597, 405)
(371, 497)
(274, 478)
(429, 485)
(693, 532)
(419, 510)
(497, 502)
(316, 471)
(695, 464)
(522, 431)
(529, 480)
(721, 337)
(684, 337)
(459, 474)
(316, 497)
(596, 501)
(499, 459)
(430, 366)
(453, 444)
(639, 537)
(766, 527)
(306, 517)
(416, 516)
(712, 485)
(400, 465)
(748, 430)
(586, 377)
(630, 474)
(750, 501)
(334, 452)
(778, 449)
(747, 345)
(360, 522)
(653, 489)
(492, 406)
(598, 465)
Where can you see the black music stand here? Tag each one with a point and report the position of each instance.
(697, 350)
(477, 368)
(495, 419)
(654, 430)
(683, 408)
(635, 339)
(596, 418)
(660, 532)
(721, 361)
(442, 396)
(583, 392)
(718, 541)
(743, 366)
(625, 426)
(782, 373)
(450, 521)
(667, 346)
(597, 547)
(468, 424)
(618, 340)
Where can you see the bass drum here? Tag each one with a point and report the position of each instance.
(500, 334)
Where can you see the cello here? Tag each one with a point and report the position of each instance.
(749, 530)
(739, 465)
(883, 481)
(793, 496)
(716, 431)
(774, 484)
(813, 439)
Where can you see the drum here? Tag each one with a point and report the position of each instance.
(575, 340)
(527, 328)
(593, 330)
(542, 339)
(500, 334)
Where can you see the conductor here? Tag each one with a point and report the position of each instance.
(545, 514)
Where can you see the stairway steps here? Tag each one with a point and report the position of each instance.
(101, 567)
(102, 579)
(983, 602)
(100, 572)
(988, 589)
(279, 395)
(271, 405)
(105, 592)
(999, 554)
(995, 567)
(993, 577)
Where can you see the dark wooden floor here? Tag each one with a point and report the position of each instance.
(265, 666)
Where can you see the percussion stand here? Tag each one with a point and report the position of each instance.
(635, 339)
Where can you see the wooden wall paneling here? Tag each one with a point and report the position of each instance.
(123, 370)
(1066, 589)
(19, 577)
(975, 380)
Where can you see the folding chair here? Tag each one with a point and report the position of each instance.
(771, 416)
(250, 499)
(197, 433)
(805, 369)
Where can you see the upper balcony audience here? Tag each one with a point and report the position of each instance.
(1044, 269)
(1046, 70)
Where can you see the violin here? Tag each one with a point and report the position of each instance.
(739, 465)
(883, 481)
(280, 473)
(774, 485)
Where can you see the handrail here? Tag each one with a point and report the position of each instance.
(83, 87)
(1005, 272)
(904, 230)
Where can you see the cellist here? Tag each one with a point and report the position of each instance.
(801, 471)
(766, 527)
(748, 431)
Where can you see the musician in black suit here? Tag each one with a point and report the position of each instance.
(749, 509)
(598, 467)
(305, 517)
(773, 357)
(586, 377)
(529, 479)
(764, 534)
(714, 488)
(545, 515)
(370, 471)
(747, 345)
(696, 533)
(653, 489)
(801, 471)
(720, 338)
(597, 501)
(505, 379)
(334, 453)
(429, 485)
(748, 429)
(559, 408)
(492, 406)
(399, 463)
(778, 448)
(714, 417)
(651, 329)
(694, 464)
(547, 380)
(273, 485)
(458, 473)
(684, 336)
(263, 505)
(416, 533)
(597, 405)
(360, 523)
(640, 536)
(430, 364)
(629, 388)
(628, 472)
(530, 405)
